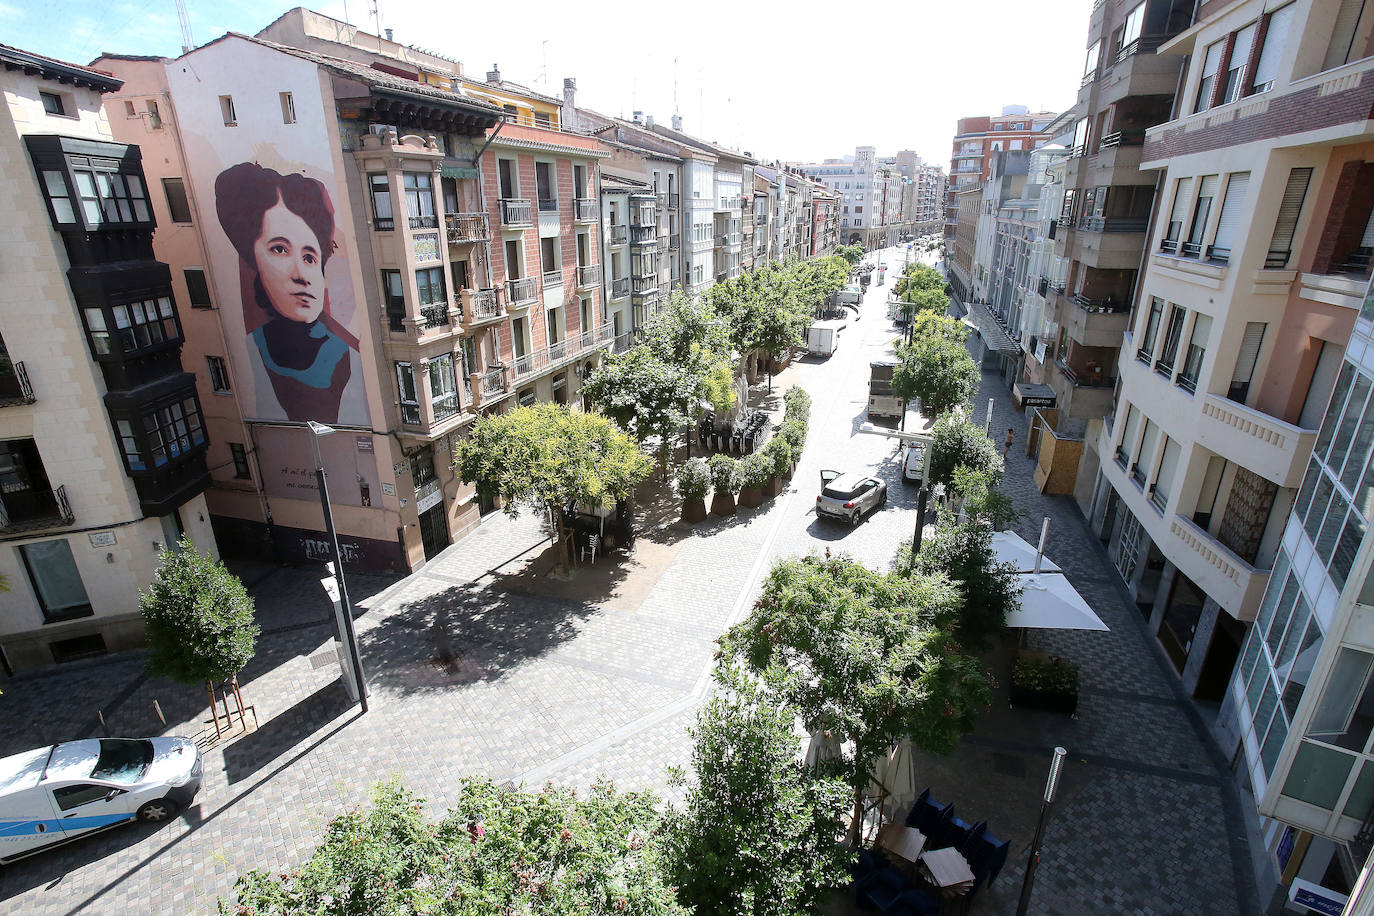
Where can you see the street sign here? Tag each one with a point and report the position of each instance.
(349, 676)
(1316, 898)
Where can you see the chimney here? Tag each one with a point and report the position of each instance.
(388, 35)
(677, 122)
(639, 117)
(569, 91)
(648, 120)
(494, 75)
(567, 115)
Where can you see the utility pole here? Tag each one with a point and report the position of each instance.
(1051, 785)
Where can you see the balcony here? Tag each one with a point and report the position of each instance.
(1095, 322)
(14, 385)
(522, 290)
(645, 285)
(618, 235)
(1138, 71)
(551, 356)
(434, 315)
(553, 278)
(548, 205)
(585, 210)
(1221, 574)
(480, 307)
(516, 212)
(31, 510)
(424, 222)
(1333, 289)
(466, 227)
(643, 235)
(1275, 450)
(588, 276)
(620, 288)
(493, 381)
(674, 242)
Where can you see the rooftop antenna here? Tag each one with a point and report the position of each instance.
(701, 106)
(544, 71)
(187, 43)
(676, 110)
(377, 17)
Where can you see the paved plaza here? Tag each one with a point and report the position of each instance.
(601, 676)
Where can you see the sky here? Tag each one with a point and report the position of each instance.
(799, 83)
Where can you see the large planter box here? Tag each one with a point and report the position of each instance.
(751, 497)
(722, 504)
(693, 510)
(1066, 703)
(773, 487)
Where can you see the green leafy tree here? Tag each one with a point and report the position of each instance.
(757, 833)
(549, 456)
(990, 589)
(851, 253)
(959, 442)
(982, 500)
(869, 657)
(198, 618)
(552, 853)
(647, 396)
(935, 367)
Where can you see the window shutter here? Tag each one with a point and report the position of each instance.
(1168, 462)
(1274, 38)
(1367, 240)
(1230, 211)
(1185, 185)
(1343, 34)
(1290, 208)
(1249, 353)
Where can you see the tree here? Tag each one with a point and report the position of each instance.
(982, 500)
(851, 253)
(959, 442)
(871, 658)
(990, 589)
(198, 618)
(757, 833)
(646, 396)
(935, 367)
(496, 851)
(687, 332)
(549, 456)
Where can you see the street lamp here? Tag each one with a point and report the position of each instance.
(350, 638)
(1051, 786)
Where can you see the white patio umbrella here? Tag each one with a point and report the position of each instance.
(896, 777)
(822, 746)
(1010, 547)
(1049, 602)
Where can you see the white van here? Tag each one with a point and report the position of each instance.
(54, 794)
(824, 336)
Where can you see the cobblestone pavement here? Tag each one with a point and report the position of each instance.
(547, 688)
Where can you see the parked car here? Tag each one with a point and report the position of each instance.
(852, 294)
(55, 794)
(849, 496)
(914, 464)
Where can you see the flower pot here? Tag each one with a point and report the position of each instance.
(1066, 703)
(722, 504)
(693, 510)
(773, 487)
(751, 497)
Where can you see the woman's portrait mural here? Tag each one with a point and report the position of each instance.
(304, 360)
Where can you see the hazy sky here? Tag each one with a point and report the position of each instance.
(785, 81)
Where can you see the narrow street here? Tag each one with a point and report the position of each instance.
(557, 682)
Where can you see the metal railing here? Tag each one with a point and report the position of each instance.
(590, 275)
(584, 210)
(643, 235)
(524, 289)
(645, 284)
(14, 385)
(1277, 259)
(674, 242)
(1123, 138)
(623, 343)
(445, 406)
(467, 227)
(25, 510)
(1145, 44)
(620, 288)
(1109, 305)
(1218, 254)
(1084, 379)
(493, 380)
(618, 235)
(424, 222)
(548, 205)
(553, 277)
(484, 305)
(1114, 224)
(435, 314)
(516, 212)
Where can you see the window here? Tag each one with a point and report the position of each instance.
(1211, 63)
(136, 326)
(172, 431)
(154, 116)
(288, 108)
(239, 456)
(106, 196)
(443, 391)
(1245, 361)
(1130, 30)
(1080, 138)
(1240, 57)
(197, 290)
(1231, 205)
(1344, 33)
(548, 259)
(219, 375)
(858, 209)
(129, 110)
(418, 188)
(545, 187)
(1164, 476)
(505, 169)
(393, 294)
(1090, 67)
(1182, 190)
(1165, 364)
(174, 189)
(52, 103)
(1290, 208)
(1275, 34)
(226, 108)
(429, 284)
(1146, 351)
(1201, 211)
(55, 183)
(1197, 349)
(69, 797)
(380, 187)
(1145, 452)
(410, 401)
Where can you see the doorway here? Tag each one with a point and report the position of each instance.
(434, 530)
(1221, 657)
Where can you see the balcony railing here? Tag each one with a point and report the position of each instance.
(424, 222)
(525, 289)
(674, 242)
(1123, 138)
(557, 352)
(618, 235)
(1277, 259)
(548, 205)
(674, 201)
(445, 406)
(1109, 305)
(467, 227)
(1084, 379)
(14, 385)
(620, 288)
(553, 277)
(435, 314)
(1114, 224)
(645, 284)
(643, 235)
(1272, 448)
(584, 210)
(588, 276)
(1144, 44)
(480, 305)
(623, 343)
(493, 380)
(516, 212)
(26, 510)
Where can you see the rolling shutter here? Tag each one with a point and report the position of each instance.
(1290, 208)
(1230, 211)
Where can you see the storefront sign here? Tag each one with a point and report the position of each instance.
(1038, 402)
(102, 538)
(1285, 850)
(429, 500)
(364, 443)
(1316, 898)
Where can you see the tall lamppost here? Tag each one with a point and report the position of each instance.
(1051, 785)
(350, 638)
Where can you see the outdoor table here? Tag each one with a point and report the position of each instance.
(948, 870)
(902, 843)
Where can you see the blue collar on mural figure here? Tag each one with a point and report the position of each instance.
(320, 371)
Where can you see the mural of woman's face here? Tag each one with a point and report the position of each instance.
(290, 265)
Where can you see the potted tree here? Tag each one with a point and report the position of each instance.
(693, 480)
(793, 432)
(1045, 683)
(779, 456)
(755, 473)
(725, 479)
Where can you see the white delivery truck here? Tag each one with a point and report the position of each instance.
(881, 401)
(55, 794)
(823, 336)
(852, 294)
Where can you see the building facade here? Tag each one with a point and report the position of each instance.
(975, 141)
(103, 435)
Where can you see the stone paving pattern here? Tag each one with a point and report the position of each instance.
(551, 688)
